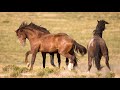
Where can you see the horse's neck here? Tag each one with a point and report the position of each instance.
(39, 34)
(32, 36)
(97, 33)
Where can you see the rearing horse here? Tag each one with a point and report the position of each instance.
(97, 47)
(51, 43)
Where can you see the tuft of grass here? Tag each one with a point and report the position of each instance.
(110, 75)
(10, 68)
(6, 21)
(98, 74)
(83, 76)
(15, 70)
(23, 70)
(41, 73)
(47, 71)
(15, 73)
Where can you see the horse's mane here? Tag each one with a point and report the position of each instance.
(101, 25)
(33, 26)
(99, 28)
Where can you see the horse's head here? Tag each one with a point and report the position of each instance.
(103, 22)
(101, 25)
(21, 36)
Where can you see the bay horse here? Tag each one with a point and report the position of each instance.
(38, 30)
(51, 43)
(97, 47)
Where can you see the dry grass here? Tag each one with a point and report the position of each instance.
(78, 25)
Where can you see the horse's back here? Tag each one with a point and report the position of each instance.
(53, 42)
(56, 37)
(97, 44)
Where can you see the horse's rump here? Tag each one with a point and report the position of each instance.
(94, 47)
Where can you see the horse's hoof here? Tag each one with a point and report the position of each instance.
(111, 71)
(28, 64)
(53, 65)
(88, 72)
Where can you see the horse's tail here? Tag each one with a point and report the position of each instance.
(97, 56)
(79, 48)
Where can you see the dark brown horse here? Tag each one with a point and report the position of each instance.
(50, 43)
(97, 47)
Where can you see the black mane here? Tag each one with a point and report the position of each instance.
(100, 28)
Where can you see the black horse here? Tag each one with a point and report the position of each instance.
(97, 47)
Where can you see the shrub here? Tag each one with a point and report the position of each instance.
(10, 68)
(98, 74)
(40, 73)
(15, 70)
(110, 75)
(23, 70)
(14, 74)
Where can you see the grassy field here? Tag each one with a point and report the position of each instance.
(78, 25)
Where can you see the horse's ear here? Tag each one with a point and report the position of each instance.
(106, 23)
(97, 21)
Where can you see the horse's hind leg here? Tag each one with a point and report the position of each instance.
(52, 59)
(107, 61)
(72, 62)
(59, 60)
(44, 58)
(89, 63)
(26, 58)
(71, 57)
(67, 61)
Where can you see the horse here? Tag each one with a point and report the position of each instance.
(50, 43)
(97, 47)
(39, 30)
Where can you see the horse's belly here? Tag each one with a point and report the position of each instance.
(48, 48)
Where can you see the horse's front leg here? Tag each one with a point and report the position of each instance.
(26, 58)
(107, 61)
(33, 59)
